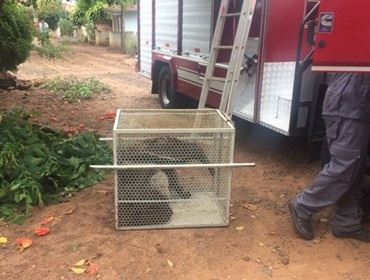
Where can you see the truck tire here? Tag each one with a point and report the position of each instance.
(168, 97)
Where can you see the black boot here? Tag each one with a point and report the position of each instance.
(303, 227)
(360, 235)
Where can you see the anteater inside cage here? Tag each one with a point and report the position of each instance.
(163, 179)
(145, 193)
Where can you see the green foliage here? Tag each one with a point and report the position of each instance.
(94, 10)
(74, 90)
(46, 48)
(40, 166)
(131, 44)
(89, 11)
(90, 29)
(50, 11)
(16, 31)
(66, 27)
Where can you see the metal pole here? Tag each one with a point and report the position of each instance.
(172, 166)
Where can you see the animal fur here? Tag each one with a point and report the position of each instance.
(151, 184)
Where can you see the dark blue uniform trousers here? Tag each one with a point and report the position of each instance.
(346, 111)
(340, 180)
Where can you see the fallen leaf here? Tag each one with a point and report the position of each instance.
(261, 244)
(23, 243)
(170, 264)
(159, 248)
(232, 217)
(53, 119)
(92, 269)
(47, 220)
(107, 116)
(69, 212)
(103, 192)
(78, 270)
(80, 263)
(250, 207)
(42, 231)
(81, 126)
(3, 240)
(239, 228)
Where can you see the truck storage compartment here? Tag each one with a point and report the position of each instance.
(166, 25)
(196, 29)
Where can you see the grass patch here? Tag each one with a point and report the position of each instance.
(73, 89)
(40, 166)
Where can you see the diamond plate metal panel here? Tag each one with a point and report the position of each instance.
(276, 95)
(244, 105)
(172, 197)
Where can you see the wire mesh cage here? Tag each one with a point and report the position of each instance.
(176, 168)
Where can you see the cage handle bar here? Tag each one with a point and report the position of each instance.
(172, 166)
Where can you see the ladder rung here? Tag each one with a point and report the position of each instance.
(231, 15)
(224, 47)
(218, 79)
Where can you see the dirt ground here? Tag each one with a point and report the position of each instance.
(267, 248)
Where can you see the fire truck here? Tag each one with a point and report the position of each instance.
(291, 48)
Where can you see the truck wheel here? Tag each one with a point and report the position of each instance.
(167, 96)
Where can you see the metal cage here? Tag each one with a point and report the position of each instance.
(174, 168)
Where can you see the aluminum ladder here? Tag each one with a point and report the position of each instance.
(236, 58)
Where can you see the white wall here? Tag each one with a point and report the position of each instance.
(131, 22)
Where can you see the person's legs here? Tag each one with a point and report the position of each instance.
(347, 140)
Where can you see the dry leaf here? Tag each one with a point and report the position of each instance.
(78, 270)
(69, 212)
(261, 244)
(42, 231)
(232, 217)
(92, 269)
(23, 243)
(239, 228)
(3, 240)
(170, 264)
(250, 207)
(103, 192)
(80, 263)
(47, 220)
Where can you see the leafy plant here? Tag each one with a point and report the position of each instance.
(46, 48)
(50, 11)
(16, 34)
(90, 29)
(94, 10)
(66, 27)
(131, 43)
(73, 89)
(39, 165)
